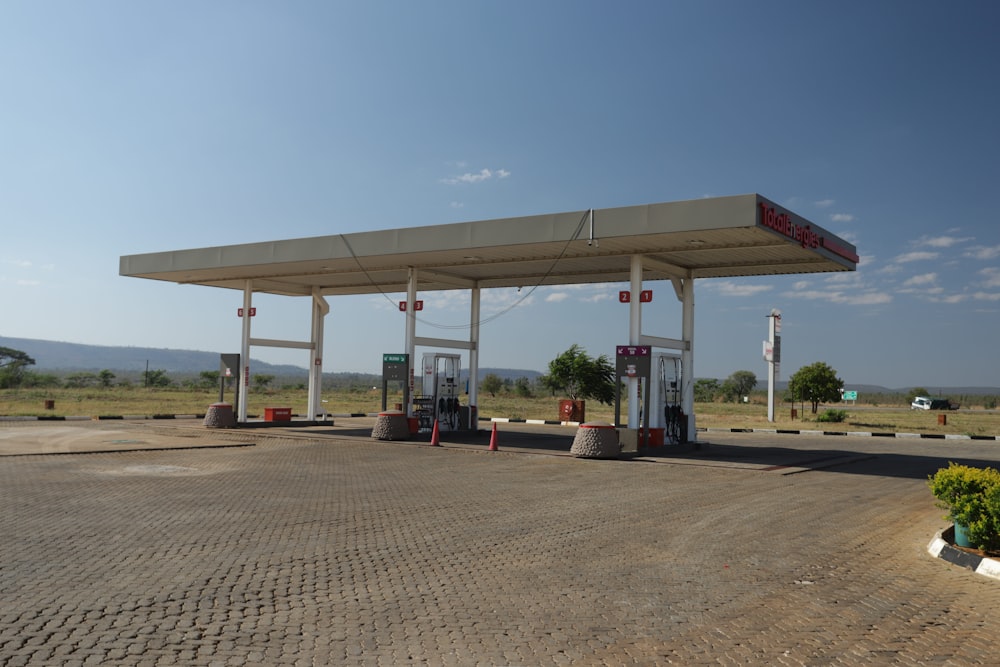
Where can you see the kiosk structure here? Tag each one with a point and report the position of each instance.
(673, 243)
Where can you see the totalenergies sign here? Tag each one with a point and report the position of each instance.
(782, 222)
(804, 235)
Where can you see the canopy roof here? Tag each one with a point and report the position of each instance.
(743, 235)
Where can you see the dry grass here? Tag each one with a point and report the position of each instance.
(139, 401)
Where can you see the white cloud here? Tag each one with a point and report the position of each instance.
(495, 300)
(941, 241)
(27, 283)
(991, 277)
(844, 278)
(868, 298)
(595, 298)
(456, 204)
(800, 284)
(556, 297)
(729, 288)
(987, 296)
(20, 263)
(824, 203)
(984, 252)
(476, 176)
(918, 256)
(842, 217)
(922, 279)
(954, 298)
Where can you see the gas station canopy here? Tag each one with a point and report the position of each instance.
(743, 235)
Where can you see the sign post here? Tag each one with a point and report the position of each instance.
(772, 354)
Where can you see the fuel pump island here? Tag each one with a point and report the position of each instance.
(438, 396)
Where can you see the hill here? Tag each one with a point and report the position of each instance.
(52, 356)
(55, 356)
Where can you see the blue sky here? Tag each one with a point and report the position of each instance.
(141, 127)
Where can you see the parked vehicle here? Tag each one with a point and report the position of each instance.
(928, 403)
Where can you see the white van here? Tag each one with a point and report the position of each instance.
(920, 403)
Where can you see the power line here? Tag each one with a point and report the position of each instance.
(576, 234)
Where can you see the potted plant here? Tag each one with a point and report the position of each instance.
(972, 498)
(580, 376)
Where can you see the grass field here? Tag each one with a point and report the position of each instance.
(113, 401)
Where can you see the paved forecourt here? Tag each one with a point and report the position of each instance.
(321, 546)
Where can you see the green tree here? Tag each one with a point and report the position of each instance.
(208, 379)
(916, 391)
(738, 385)
(12, 365)
(34, 380)
(816, 383)
(706, 389)
(581, 376)
(106, 378)
(81, 380)
(261, 380)
(155, 378)
(491, 384)
(522, 387)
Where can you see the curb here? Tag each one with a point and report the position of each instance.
(867, 434)
(513, 420)
(553, 422)
(941, 548)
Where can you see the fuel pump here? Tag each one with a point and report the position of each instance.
(440, 391)
(665, 397)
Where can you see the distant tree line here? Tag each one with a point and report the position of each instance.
(573, 374)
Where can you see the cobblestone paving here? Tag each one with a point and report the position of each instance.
(337, 551)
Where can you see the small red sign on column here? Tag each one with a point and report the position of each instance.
(645, 296)
(417, 305)
(253, 311)
(624, 296)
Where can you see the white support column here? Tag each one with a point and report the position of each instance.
(244, 378)
(411, 332)
(474, 352)
(320, 309)
(687, 357)
(634, 334)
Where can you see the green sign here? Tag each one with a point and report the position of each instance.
(850, 395)
(394, 358)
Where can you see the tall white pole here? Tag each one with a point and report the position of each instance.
(774, 361)
(411, 332)
(320, 308)
(245, 351)
(474, 355)
(634, 334)
(687, 356)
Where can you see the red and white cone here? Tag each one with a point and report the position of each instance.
(493, 439)
(435, 435)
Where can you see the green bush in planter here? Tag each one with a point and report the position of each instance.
(972, 498)
(984, 530)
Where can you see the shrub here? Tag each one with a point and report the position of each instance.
(835, 416)
(972, 498)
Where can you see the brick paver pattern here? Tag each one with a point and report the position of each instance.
(321, 552)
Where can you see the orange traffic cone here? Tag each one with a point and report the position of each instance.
(493, 438)
(435, 436)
